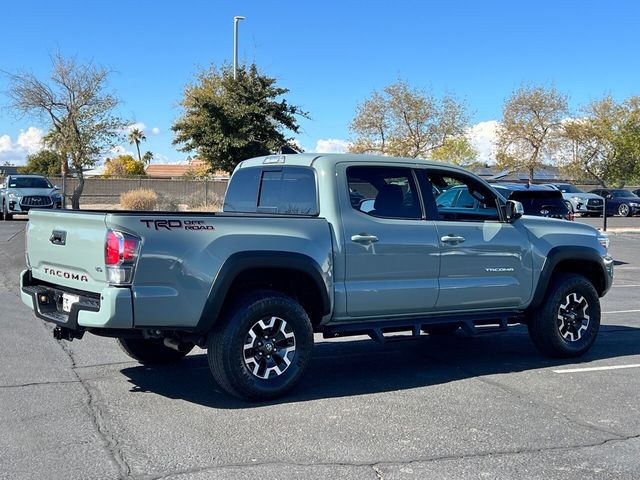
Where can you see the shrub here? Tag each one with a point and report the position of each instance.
(196, 203)
(168, 203)
(140, 199)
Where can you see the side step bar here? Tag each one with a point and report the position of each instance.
(471, 324)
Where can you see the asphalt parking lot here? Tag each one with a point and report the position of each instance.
(435, 407)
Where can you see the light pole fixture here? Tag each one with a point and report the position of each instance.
(236, 20)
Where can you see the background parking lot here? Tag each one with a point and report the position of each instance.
(436, 407)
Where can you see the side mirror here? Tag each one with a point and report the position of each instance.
(513, 210)
(57, 187)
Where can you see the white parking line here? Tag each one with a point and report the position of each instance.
(624, 286)
(596, 369)
(620, 311)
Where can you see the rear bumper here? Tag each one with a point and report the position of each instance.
(111, 309)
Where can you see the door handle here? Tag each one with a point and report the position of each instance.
(364, 238)
(452, 239)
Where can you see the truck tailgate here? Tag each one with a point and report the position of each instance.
(64, 247)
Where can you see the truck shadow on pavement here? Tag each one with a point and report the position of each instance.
(360, 366)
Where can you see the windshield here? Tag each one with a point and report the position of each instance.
(29, 182)
(568, 188)
(622, 193)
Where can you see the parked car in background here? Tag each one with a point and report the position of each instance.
(21, 193)
(538, 200)
(579, 201)
(619, 201)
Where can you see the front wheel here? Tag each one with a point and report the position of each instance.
(261, 347)
(569, 206)
(567, 322)
(5, 213)
(624, 210)
(151, 351)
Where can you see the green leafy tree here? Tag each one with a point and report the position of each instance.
(604, 143)
(137, 136)
(123, 166)
(529, 131)
(457, 150)
(406, 122)
(226, 121)
(44, 162)
(80, 111)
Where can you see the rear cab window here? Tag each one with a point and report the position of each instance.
(290, 190)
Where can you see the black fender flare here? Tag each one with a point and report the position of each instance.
(243, 261)
(560, 254)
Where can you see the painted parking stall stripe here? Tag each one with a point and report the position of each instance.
(596, 369)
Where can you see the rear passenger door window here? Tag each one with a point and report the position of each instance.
(384, 192)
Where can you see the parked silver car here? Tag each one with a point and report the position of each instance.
(21, 193)
(578, 201)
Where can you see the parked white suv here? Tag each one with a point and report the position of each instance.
(578, 201)
(21, 193)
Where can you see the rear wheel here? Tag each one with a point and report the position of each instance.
(151, 351)
(567, 322)
(262, 346)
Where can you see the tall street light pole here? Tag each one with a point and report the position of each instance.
(236, 20)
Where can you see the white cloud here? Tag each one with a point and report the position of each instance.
(138, 125)
(483, 136)
(120, 150)
(27, 143)
(155, 131)
(331, 145)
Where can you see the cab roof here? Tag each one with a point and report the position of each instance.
(331, 159)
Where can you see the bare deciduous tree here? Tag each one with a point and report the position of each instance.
(604, 143)
(79, 110)
(531, 121)
(406, 122)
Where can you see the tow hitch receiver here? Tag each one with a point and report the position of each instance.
(62, 333)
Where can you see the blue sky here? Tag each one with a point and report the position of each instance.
(330, 54)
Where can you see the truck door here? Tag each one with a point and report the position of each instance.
(391, 250)
(484, 262)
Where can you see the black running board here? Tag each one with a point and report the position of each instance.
(471, 324)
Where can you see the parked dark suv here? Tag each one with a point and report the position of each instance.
(538, 200)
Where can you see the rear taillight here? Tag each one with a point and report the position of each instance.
(120, 256)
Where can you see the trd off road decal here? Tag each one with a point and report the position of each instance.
(173, 224)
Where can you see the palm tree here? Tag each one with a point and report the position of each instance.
(136, 136)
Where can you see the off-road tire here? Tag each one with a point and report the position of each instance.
(150, 351)
(235, 334)
(548, 323)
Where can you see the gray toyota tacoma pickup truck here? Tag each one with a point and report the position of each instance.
(335, 244)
